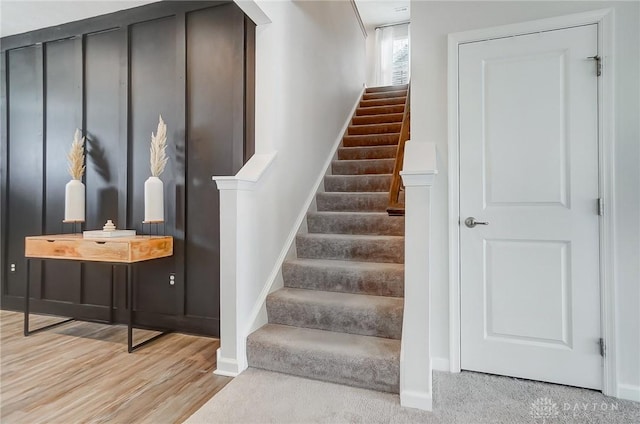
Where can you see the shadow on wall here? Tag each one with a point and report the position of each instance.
(107, 197)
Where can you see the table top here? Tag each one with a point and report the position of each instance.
(77, 237)
(109, 249)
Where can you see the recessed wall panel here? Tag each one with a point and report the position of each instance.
(215, 38)
(525, 138)
(153, 92)
(25, 163)
(527, 291)
(63, 111)
(106, 158)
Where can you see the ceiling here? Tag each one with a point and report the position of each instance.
(375, 12)
(17, 17)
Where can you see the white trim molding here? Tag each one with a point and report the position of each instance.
(604, 18)
(418, 175)
(253, 10)
(359, 18)
(629, 392)
(440, 364)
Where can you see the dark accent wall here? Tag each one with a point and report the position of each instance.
(111, 76)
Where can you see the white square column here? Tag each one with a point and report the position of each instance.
(418, 175)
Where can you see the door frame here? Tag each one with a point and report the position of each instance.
(604, 18)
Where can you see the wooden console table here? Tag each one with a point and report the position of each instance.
(124, 251)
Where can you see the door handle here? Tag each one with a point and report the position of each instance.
(471, 222)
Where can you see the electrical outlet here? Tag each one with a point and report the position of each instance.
(172, 278)
(13, 267)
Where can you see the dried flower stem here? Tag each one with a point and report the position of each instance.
(158, 158)
(75, 157)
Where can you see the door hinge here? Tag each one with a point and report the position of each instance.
(601, 206)
(598, 60)
(602, 347)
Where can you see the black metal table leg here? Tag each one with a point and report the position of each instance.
(130, 346)
(130, 308)
(27, 296)
(113, 276)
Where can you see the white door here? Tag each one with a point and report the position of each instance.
(530, 287)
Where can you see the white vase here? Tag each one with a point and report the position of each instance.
(153, 199)
(74, 201)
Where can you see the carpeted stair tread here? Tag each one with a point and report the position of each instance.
(347, 183)
(362, 314)
(351, 201)
(372, 223)
(377, 110)
(384, 102)
(362, 166)
(387, 88)
(351, 247)
(354, 202)
(384, 128)
(367, 152)
(384, 118)
(374, 278)
(361, 361)
(384, 94)
(370, 139)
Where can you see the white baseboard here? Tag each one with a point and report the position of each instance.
(262, 298)
(417, 400)
(226, 366)
(629, 392)
(440, 364)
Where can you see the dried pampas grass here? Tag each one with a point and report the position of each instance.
(75, 157)
(159, 157)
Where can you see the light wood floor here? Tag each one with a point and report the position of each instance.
(81, 373)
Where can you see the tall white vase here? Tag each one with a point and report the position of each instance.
(74, 201)
(153, 199)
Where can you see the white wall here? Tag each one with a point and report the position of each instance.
(431, 23)
(310, 70)
(371, 56)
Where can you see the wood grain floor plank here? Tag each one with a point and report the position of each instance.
(81, 373)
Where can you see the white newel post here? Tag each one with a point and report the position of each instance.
(418, 175)
(238, 229)
(231, 359)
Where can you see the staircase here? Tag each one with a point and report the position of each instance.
(339, 316)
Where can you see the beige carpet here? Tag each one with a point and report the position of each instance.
(258, 396)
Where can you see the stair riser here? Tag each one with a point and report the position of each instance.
(384, 94)
(368, 373)
(386, 118)
(367, 152)
(390, 251)
(378, 110)
(366, 321)
(374, 129)
(383, 102)
(355, 224)
(387, 88)
(378, 283)
(362, 167)
(351, 202)
(370, 140)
